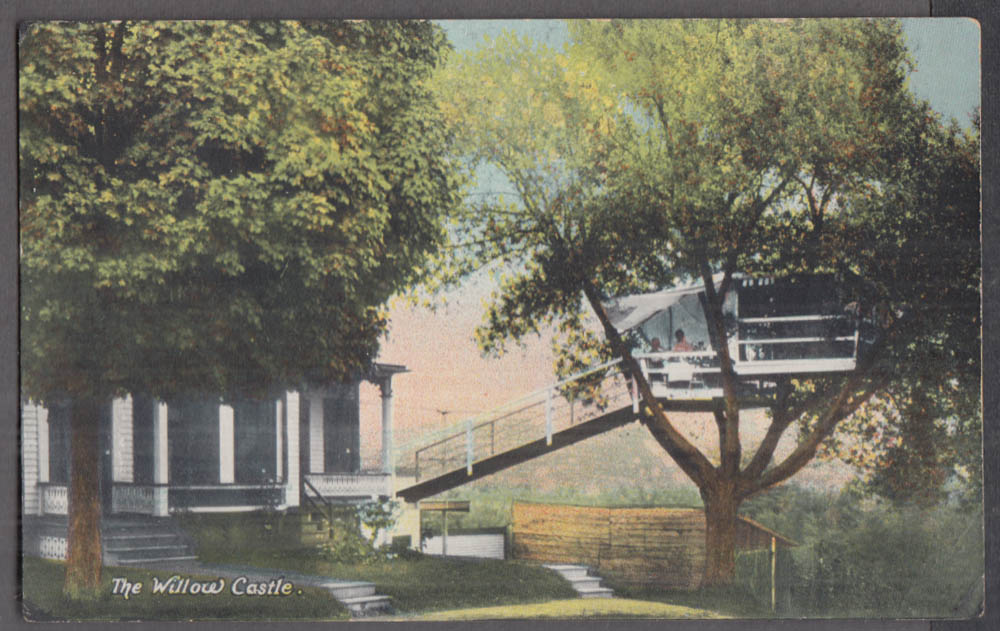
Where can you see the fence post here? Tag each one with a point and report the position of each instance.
(468, 447)
(774, 571)
(548, 417)
(635, 396)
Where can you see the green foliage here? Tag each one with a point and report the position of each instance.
(377, 516)
(862, 558)
(218, 536)
(221, 206)
(355, 529)
(657, 150)
(347, 544)
(753, 573)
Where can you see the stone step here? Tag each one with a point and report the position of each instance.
(586, 582)
(350, 589)
(570, 571)
(146, 555)
(125, 542)
(596, 592)
(580, 578)
(362, 606)
(129, 561)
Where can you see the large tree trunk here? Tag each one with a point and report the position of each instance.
(83, 554)
(721, 504)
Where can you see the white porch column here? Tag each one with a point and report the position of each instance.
(315, 433)
(32, 416)
(161, 462)
(227, 455)
(122, 455)
(43, 443)
(279, 439)
(388, 459)
(161, 465)
(292, 402)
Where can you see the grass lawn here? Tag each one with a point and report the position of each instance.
(428, 583)
(42, 588)
(576, 608)
(729, 601)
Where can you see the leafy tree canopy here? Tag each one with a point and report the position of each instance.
(658, 150)
(222, 206)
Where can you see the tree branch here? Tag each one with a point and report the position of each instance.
(844, 405)
(685, 454)
(781, 419)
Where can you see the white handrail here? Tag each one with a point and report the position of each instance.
(458, 426)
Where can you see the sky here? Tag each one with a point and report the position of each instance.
(449, 380)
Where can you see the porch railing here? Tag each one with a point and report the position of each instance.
(350, 485)
(55, 499)
(144, 499)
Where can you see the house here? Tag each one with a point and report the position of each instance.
(636, 545)
(159, 458)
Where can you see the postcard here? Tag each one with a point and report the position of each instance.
(458, 320)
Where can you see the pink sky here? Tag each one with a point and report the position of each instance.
(447, 370)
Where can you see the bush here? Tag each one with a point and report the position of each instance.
(224, 535)
(753, 575)
(862, 557)
(355, 530)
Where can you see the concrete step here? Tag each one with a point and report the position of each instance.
(596, 592)
(129, 561)
(129, 541)
(350, 589)
(147, 555)
(570, 571)
(363, 606)
(587, 582)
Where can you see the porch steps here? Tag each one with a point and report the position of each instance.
(313, 530)
(580, 578)
(139, 540)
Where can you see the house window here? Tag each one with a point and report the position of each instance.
(341, 422)
(194, 441)
(142, 438)
(59, 455)
(254, 435)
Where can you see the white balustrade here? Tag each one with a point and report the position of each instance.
(55, 500)
(351, 484)
(131, 498)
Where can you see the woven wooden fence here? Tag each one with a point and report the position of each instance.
(649, 546)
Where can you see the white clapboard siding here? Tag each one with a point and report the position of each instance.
(486, 546)
(122, 458)
(29, 458)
